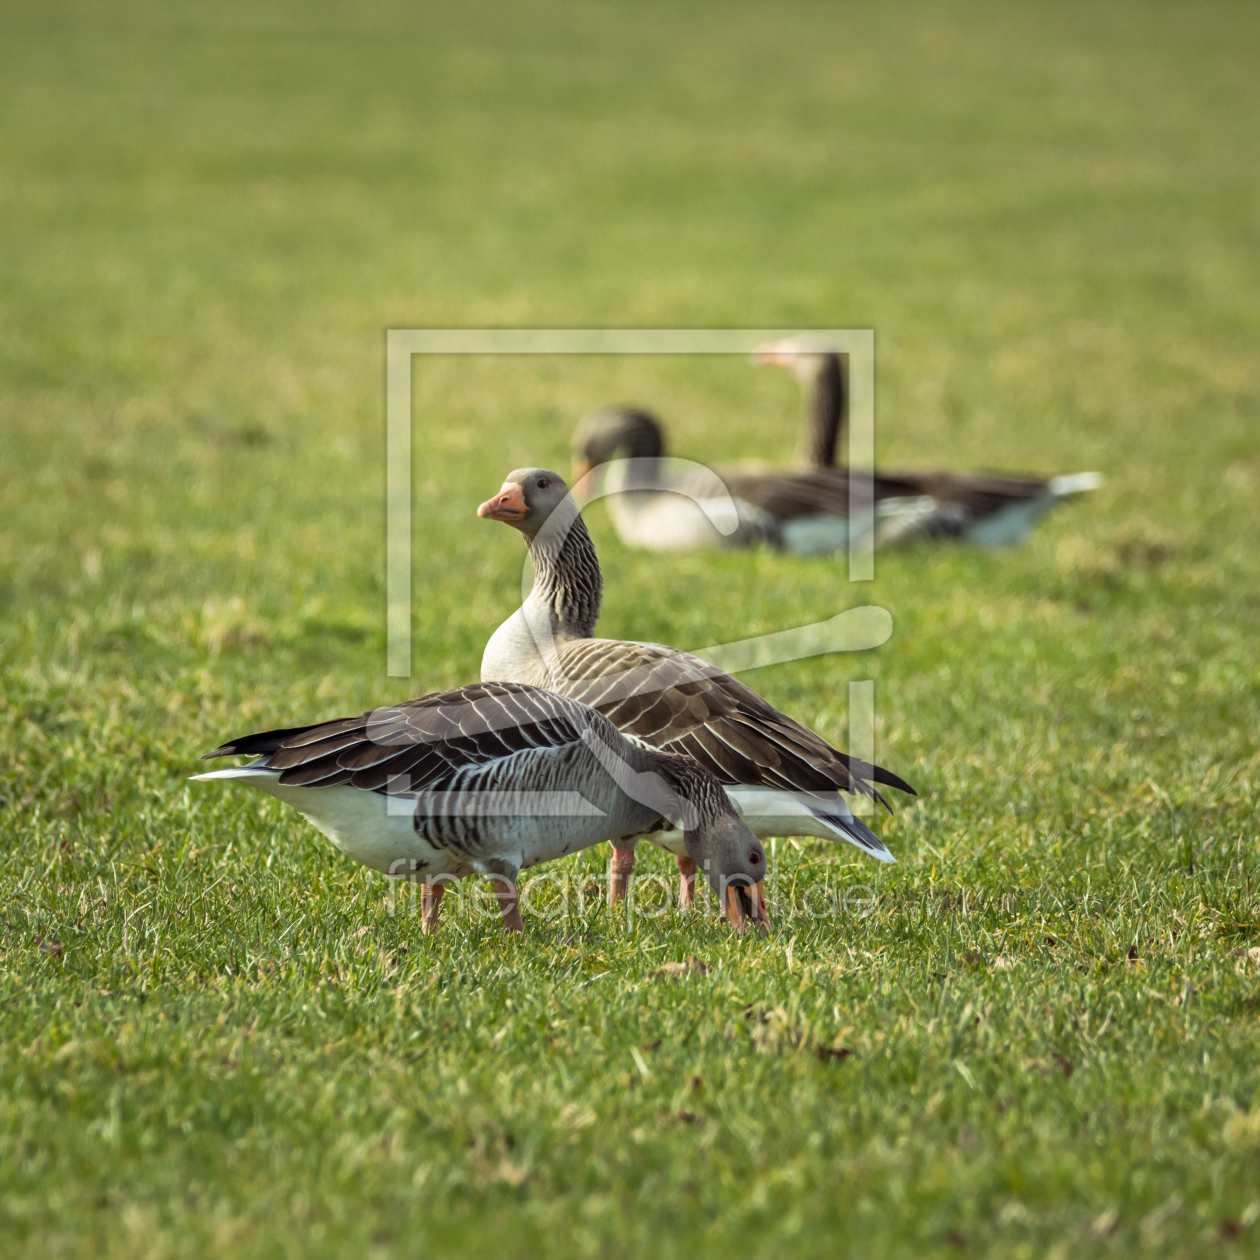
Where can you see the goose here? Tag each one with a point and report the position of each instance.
(991, 510)
(490, 779)
(782, 778)
(659, 506)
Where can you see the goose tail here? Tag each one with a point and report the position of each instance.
(853, 830)
(257, 772)
(774, 812)
(1072, 484)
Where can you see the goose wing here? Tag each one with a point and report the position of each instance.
(977, 494)
(413, 746)
(788, 494)
(670, 700)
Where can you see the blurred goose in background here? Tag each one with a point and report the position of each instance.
(491, 779)
(993, 511)
(672, 505)
(783, 778)
(662, 504)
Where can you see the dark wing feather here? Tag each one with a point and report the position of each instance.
(788, 495)
(418, 744)
(705, 713)
(978, 494)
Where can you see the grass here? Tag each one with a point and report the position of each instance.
(216, 1037)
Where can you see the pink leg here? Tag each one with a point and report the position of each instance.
(687, 888)
(622, 869)
(509, 903)
(430, 905)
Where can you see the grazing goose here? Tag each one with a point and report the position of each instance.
(660, 507)
(491, 779)
(993, 511)
(661, 504)
(783, 779)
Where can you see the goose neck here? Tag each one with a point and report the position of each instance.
(827, 402)
(568, 585)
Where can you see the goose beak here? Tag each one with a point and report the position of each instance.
(581, 469)
(507, 505)
(744, 905)
(772, 353)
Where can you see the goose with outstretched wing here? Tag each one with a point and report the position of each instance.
(491, 779)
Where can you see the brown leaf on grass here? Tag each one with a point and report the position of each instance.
(1055, 1063)
(697, 1082)
(972, 959)
(1229, 1230)
(513, 1174)
(687, 1117)
(956, 1239)
(830, 1054)
(592, 890)
(653, 1045)
(1132, 956)
(678, 970)
(54, 948)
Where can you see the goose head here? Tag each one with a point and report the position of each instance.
(818, 370)
(718, 840)
(602, 436)
(805, 356)
(734, 864)
(526, 499)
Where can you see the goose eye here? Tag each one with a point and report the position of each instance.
(542, 483)
(755, 858)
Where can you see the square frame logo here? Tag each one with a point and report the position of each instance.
(851, 630)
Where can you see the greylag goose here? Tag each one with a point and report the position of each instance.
(661, 504)
(667, 505)
(990, 510)
(783, 778)
(493, 778)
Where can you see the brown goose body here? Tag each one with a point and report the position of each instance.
(784, 778)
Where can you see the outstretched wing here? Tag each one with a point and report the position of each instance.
(409, 747)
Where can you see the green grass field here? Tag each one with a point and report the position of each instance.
(216, 1039)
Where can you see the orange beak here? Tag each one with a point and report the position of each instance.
(507, 505)
(773, 354)
(581, 469)
(744, 904)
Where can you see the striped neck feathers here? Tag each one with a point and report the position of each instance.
(694, 785)
(567, 579)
